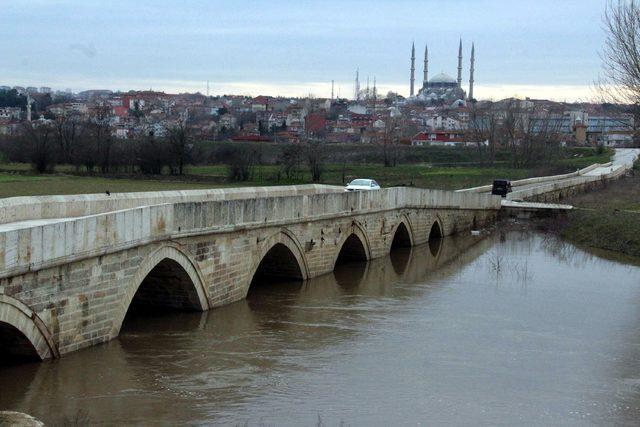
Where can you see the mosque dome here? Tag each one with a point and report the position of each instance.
(442, 78)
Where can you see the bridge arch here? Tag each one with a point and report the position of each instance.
(23, 335)
(354, 246)
(167, 277)
(281, 256)
(402, 234)
(434, 240)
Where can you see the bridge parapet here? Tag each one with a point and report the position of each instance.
(15, 209)
(36, 247)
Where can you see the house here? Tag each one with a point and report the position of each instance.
(121, 132)
(276, 120)
(250, 128)
(295, 118)
(9, 127)
(438, 138)
(10, 113)
(259, 103)
(120, 111)
(443, 123)
(379, 125)
(316, 123)
(227, 121)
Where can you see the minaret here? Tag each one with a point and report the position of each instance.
(460, 65)
(367, 92)
(413, 69)
(375, 91)
(426, 66)
(29, 101)
(375, 94)
(473, 59)
(356, 89)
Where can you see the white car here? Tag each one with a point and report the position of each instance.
(362, 185)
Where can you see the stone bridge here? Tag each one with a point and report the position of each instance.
(71, 267)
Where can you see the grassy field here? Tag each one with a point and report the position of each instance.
(17, 180)
(428, 175)
(608, 218)
(27, 185)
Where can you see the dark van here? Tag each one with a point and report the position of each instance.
(501, 187)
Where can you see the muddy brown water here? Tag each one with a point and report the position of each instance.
(514, 328)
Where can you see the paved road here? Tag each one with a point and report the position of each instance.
(622, 157)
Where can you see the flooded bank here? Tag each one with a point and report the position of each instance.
(513, 328)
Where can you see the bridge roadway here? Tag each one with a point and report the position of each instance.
(527, 192)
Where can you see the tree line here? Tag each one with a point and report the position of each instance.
(89, 145)
(531, 133)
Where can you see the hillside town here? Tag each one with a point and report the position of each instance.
(368, 118)
(438, 112)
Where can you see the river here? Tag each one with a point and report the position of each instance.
(512, 328)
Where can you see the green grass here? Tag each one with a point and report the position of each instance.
(608, 218)
(27, 185)
(582, 157)
(420, 175)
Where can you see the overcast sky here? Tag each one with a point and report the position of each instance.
(537, 48)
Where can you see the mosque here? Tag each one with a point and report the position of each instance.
(441, 88)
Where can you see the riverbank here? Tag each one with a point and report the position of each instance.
(606, 219)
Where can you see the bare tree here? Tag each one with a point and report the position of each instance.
(180, 146)
(390, 142)
(530, 132)
(151, 153)
(40, 145)
(289, 160)
(69, 135)
(100, 138)
(483, 129)
(241, 161)
(315, 159)
(620, 81)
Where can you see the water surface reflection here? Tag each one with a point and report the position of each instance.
(502, 329)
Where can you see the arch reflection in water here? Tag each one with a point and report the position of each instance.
(400, 259)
